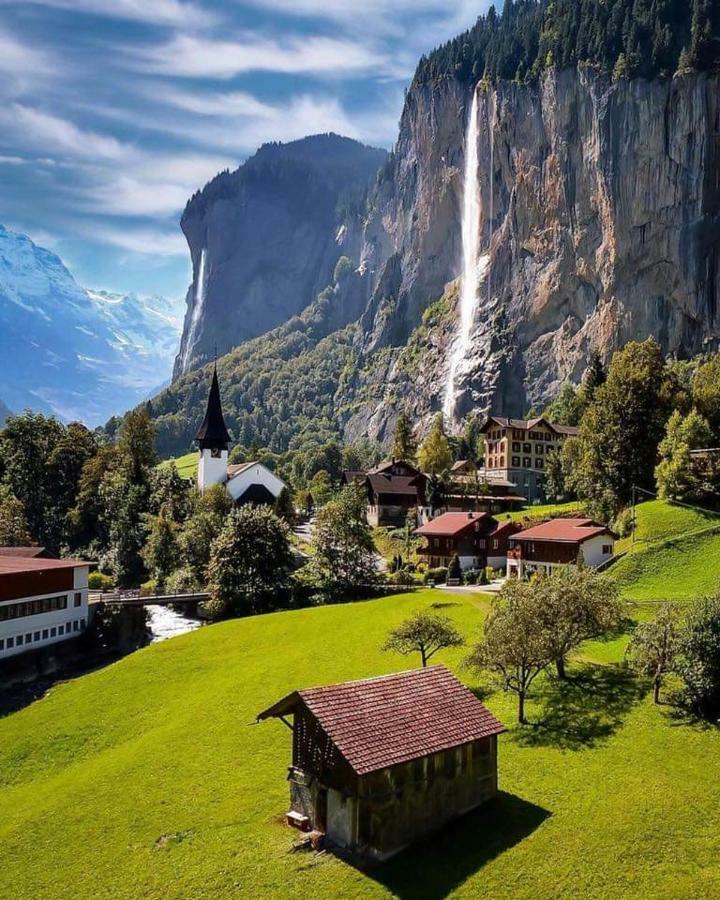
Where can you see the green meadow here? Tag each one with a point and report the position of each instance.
(150, 778)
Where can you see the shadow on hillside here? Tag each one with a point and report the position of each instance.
(437, 865)
(584, 710)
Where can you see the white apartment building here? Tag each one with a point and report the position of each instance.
(42, 602)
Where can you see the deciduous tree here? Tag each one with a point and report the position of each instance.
(250, 562)
(676, 474)
(435, 455)
(515, 644)
(574, 605)
(654, 645)
(423, 633)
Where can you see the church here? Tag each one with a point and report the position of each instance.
(249, 482)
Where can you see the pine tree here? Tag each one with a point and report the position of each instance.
(435, 456)
(595, 375)
(404, 446)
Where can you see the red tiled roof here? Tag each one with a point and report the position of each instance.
(382, 722)
(451, 523)
(563, 530)
(14, 565)
(25, 552)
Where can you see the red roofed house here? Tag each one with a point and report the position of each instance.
(377, 764)
(559, 542)
(42, 601)
(478, 539)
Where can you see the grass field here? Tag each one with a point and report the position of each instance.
(675, 556)
(548, 511)
(186, 465)
(148, 779)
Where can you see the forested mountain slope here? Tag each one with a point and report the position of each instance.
(597, 181)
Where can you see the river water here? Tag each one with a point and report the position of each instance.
(164, 623)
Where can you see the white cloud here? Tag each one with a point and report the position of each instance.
(36, 129)
(198, 57)
(152, 187)
(144, 241)
(157, 12)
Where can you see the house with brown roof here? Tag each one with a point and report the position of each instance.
(478, 539)
(559, 542)
(379, 763)
(394, 488)
(518, 449)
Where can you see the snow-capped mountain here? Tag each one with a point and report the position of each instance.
(75, 353)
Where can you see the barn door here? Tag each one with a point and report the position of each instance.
(320, 822)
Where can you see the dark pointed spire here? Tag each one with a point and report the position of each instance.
(213, 432)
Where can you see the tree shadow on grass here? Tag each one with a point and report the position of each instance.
(585, 710)
(437, 865)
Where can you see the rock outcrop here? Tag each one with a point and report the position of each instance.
(272, 233)
(600, 211)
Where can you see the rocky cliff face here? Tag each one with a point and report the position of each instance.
(600, 206)
(265, 239)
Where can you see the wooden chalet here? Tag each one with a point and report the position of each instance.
(559, 542)
(478, 539)
(473, 490)
(377, 764)
(393, 489)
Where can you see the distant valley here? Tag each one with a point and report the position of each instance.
(72, 352)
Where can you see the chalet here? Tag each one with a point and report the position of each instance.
(394, 488)
(559, 542)
(249, 482)
(517, 450)
(377, 764)
(42, 601)
(472, 489)
(478, 539)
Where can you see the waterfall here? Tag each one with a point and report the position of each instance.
(474, 265)
(197, 310)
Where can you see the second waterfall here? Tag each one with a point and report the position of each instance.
(474, 265)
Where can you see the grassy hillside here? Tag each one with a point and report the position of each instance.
(186, 465)
(150, 779)
(675, 555)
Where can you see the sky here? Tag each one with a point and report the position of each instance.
(113, 112)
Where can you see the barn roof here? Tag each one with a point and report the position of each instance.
(382, 722)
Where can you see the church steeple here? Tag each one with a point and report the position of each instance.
(213, 434)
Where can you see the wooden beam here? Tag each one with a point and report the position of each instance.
(285, 722)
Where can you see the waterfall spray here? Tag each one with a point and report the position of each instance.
(474, 265)
(197, 310)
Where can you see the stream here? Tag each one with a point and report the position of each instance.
(164, 623)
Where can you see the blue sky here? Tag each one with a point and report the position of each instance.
(113, 112)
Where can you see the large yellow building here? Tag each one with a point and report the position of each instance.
(518, 449)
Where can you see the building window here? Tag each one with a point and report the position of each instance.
(19, 640)
(53, 632)
(28, 638)
(61, 630)
(36, 636)
(516, 461)
(496, 544)
(10, 643)
(76, 625)
(46, 634)
(607, 549)
(539, 449)
(78, 599)
(527, 462)
(539, 463)
(82, 624)
(527, 448)
(2, 644)
(516, 446)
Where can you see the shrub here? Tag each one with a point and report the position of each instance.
(699, 656)
(439, 576)
(455, 569)
(182, 581)
(482, 577)
(623, 524)
(99, 582)
(471, 576)
(402, 577)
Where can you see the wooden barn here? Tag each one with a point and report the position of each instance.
(377, 764)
